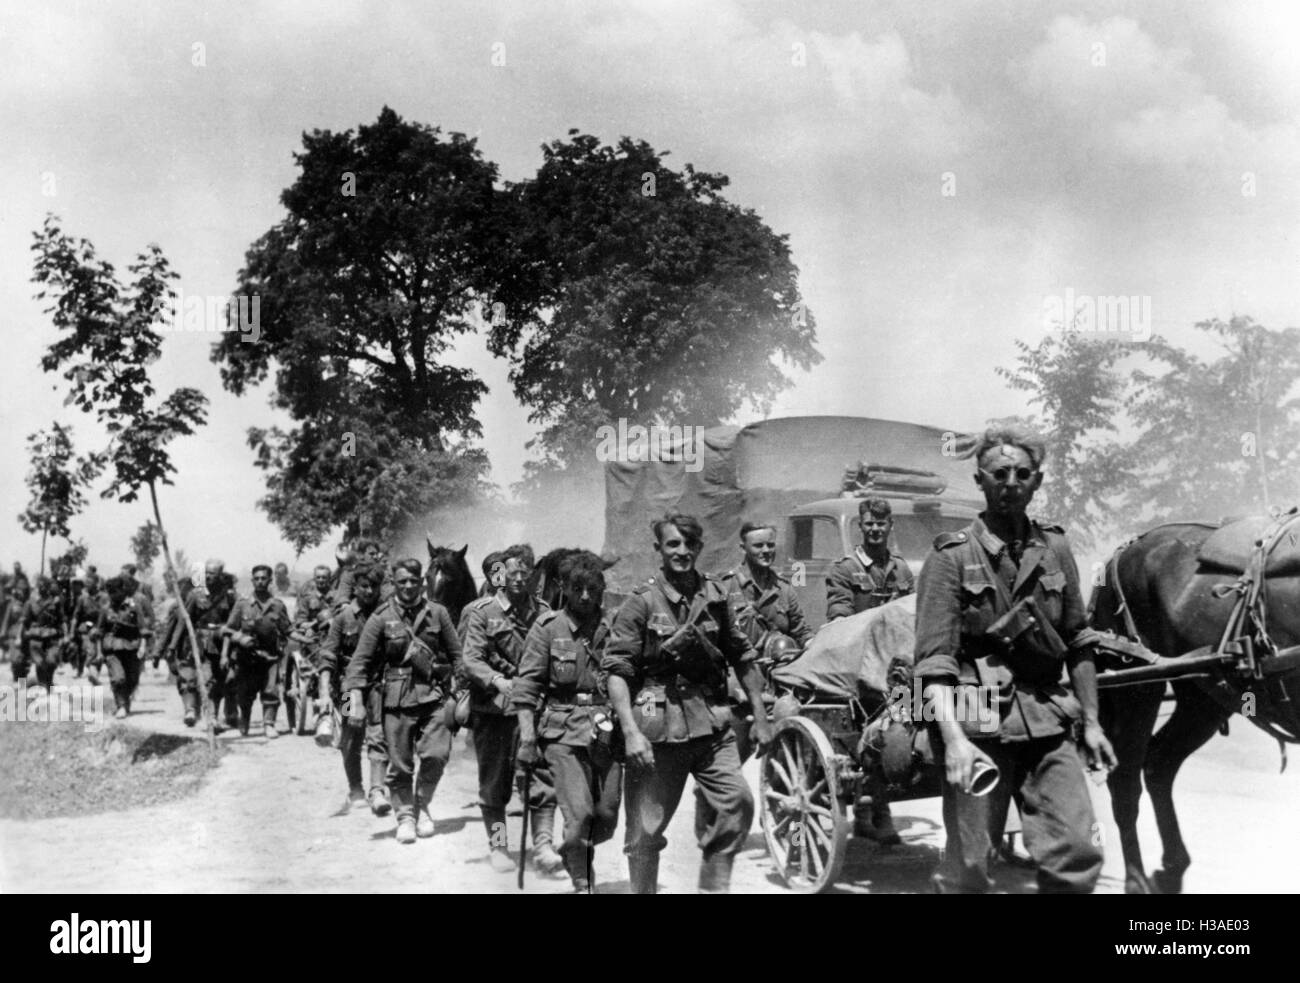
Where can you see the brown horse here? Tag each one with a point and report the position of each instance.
(1178, 602)
(449, 580)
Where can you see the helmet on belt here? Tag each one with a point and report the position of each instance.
(780, 648)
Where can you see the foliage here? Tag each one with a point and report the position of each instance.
(391, 235)
(646, 295)
(106, 346)
(56, 481)
(1222, 436)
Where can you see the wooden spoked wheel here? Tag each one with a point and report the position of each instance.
(803, 819)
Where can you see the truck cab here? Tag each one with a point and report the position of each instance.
(820, 533)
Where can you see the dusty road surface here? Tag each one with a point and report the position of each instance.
(268, 818)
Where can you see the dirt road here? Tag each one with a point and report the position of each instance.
(268, 820)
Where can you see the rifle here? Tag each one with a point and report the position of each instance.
(523, 833)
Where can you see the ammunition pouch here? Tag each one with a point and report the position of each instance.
(1028, 643)
(424, 664)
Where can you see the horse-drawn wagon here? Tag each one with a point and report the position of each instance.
(846, 710)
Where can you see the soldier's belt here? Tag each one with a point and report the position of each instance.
(43, 633)
(579, 700)
(401, 672)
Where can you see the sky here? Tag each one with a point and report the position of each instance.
(940, 169)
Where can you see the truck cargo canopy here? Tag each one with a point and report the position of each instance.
(759, 472)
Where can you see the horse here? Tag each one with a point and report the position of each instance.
(1166, 591)
(449, 580)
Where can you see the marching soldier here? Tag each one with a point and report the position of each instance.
(125, 626)
(311, 623)
(315, 601)
(43, 624)
(669, 650)
(873, 573)
(1000, 618)
(209, 608)
(560, 697)
(411, 641)
(496, 628)
(335, 654)
(85, 617)
(11, 630)
(767, 610)
(258, 627)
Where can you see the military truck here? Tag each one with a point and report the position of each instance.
(806, 475)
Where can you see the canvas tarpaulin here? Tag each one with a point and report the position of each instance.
(850, 657)
(761, 472)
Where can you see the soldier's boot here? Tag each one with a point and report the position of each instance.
(494, 821)
(406, 832)
(715, 874)
(874, 822)
(380, 803)
(268, 721)
(643, 874)
(545, 857)
(424, 825)
(584, 880)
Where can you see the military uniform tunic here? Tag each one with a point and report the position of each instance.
(265, 624)
(120, 631)
(495, 632)
(856, 583)
(681, 706)
(335, 654)
(1015, 698)
(42, 623)
(561, 680)
(414, 725)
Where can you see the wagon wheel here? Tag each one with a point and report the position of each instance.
(803, 820)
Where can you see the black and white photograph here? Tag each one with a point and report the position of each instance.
(529, 447)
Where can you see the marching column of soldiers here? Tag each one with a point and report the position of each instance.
(586, 710)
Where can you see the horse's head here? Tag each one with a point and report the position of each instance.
(449, 580)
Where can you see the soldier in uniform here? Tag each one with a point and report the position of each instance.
(43, 624)
(315, 601)
(283, 585)
(669, 650)
(163, 641)
(11, 631)
(258, 627)
(560, 697)
(85, 616)
(767, 610)
(412, 642)
(873, 573)
(209, 608)
(335, 654)
(496, 628)
(1000, 616)
(311, 623)
(124, 628)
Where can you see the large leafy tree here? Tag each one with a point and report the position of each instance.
(392, 237)
(1074, 384)
(57, 482)
(105, 349)
(1218, 436)
(653, 298)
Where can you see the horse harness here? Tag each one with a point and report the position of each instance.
(1246, 651)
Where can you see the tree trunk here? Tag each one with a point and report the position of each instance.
(208, 722)
(45, 532)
